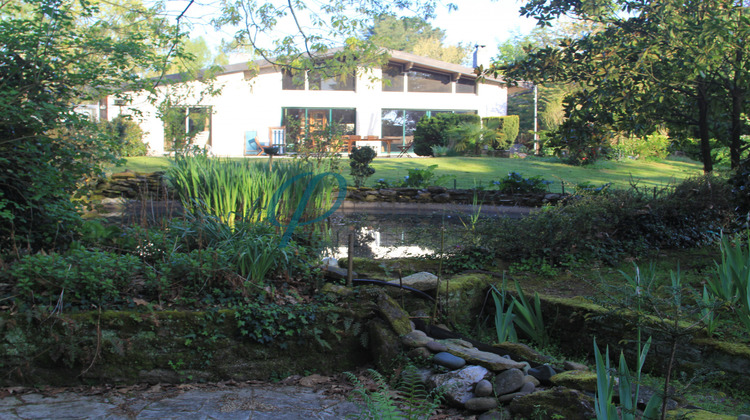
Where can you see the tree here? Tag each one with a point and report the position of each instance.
(49, 64)
(664, 64)
(327, 37)
(415, 35)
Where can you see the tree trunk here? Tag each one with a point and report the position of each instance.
(703, 132)
(735, 145)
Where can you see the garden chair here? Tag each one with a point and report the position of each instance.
(252, 145)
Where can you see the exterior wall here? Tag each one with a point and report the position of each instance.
(256, 105)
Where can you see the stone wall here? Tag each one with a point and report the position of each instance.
(444, 195)
(130, 184)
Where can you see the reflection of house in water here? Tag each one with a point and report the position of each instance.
(384, 243)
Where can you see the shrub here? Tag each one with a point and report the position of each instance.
(359, 160)
(515, 183)
(652, 146)
(127, 136)
(433, 131)
(507, 128)
(420, 178)
(80, 277)
(607, 225)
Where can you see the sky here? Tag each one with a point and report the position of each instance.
(483, 22)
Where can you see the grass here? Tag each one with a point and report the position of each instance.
(471, 171)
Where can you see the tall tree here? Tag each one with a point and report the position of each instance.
(415, 35)
(325, 37)
(49, 63)
(665, 63)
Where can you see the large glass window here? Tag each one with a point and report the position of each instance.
(302, 122)
(185, 126)
(426, 81)
(402, 123)
(464, 85)
(292, 80)
(318, 81)
(393, 78)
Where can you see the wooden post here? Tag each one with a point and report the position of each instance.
(350, 260)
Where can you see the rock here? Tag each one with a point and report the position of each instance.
(568, 365)
(436, 189)
(415, 338)
(495, 415)
(436, 346)
(481, 404)
(419, 353)
(336, 273)
(743, 417)
(508, 381)
(526, 367)
(336, 289)
(526, 389)
(483, 388)
(313, 380)
(644, 396)
(519, 351)
(482, 358)
(442, 198)
(424, 196)
(423, 281)
(394, 315)
(577, 379)
(371, 197)
(531, 379)
(543, 373)
(384, 344)
(568, 404)
(459, 384)
(448, 360)
(330, 262)
(387, 193)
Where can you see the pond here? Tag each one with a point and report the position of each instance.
(400, 230)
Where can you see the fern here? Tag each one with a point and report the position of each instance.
(411, 401)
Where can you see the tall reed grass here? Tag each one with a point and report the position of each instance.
(242, 189)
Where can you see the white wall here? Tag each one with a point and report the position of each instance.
(256, 104)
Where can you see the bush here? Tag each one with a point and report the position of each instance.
(127, 136)
(653, 146)
(420, 178)
(514, 183)
(507, 128)
(80, 277)
(359, 160)
(616, 222)
(433, 131)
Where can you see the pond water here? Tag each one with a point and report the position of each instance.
(385, 232)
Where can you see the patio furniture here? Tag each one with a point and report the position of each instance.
(252, 145)
(277, 135)
(404, 150)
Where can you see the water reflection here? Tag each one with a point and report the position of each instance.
(382, 236)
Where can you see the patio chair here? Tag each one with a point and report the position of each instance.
(278, 138)
(252, 145)
(404, 150)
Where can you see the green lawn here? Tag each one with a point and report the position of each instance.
(470, 171)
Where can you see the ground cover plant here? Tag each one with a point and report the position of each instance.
(469, 172)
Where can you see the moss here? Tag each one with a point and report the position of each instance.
(567, 403)
(577, 379)
(394, 315)
(690, 414)
(520, 351)
(388, 269)
(733, 348)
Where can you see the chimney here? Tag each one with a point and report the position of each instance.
(481, 57)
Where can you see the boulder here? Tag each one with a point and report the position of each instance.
(519, 351)
(482, 358)
(481, 404)
(483, 388)
(384, 344)
(394, 315)
(508, 381)
(577, 379)
(543, 373)
(436, 346)
(423, 281)
(459, 384)
(448, 360)
(415, 338)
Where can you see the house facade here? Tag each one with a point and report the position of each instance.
(377, 105)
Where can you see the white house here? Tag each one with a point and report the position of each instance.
(380, 104)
